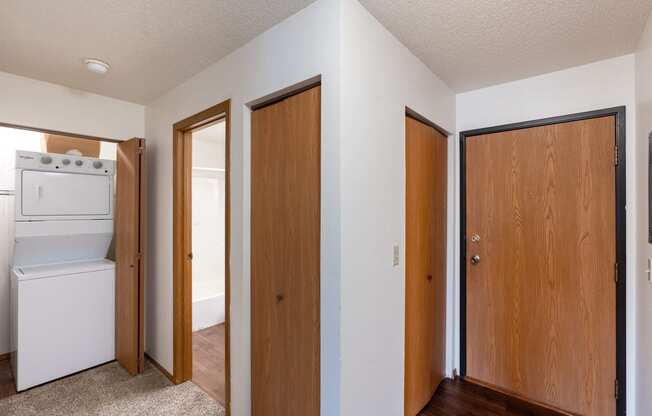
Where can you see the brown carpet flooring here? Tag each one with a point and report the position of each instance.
(109, 390)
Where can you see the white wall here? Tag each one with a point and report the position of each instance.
(380, 77)
(208, 233)
(10, 141)
(301, 47)
(644, 288)
(32, 103)
(604, 84)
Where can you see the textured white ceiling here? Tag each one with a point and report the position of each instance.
(152, 45)
(471, 44)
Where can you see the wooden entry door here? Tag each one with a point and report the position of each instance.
(130, 244)
(285, 256)
(541, 293)
(425, 263)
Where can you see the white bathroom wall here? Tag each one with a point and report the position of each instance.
(604, 84)
(644, 286)
(301, 47)
(380, 78)
(208, 226)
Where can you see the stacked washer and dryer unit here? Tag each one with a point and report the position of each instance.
(62, 285)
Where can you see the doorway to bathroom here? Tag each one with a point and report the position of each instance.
(201, 247)
(208, 258)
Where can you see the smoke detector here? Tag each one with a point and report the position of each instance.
(97, 66)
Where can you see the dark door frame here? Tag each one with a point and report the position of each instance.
(182, 242)
(621, 285)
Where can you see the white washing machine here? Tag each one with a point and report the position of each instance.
(62, 285)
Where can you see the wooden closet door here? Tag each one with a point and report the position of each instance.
(425, 263)
(541, 301)
(130, 249)
(285, 256)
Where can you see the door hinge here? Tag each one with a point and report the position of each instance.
(616, 272)
(140, 149)
(616, 155)
(616, 389)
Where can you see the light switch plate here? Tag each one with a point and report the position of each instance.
(396, 256)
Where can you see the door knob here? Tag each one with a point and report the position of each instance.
(475, 259)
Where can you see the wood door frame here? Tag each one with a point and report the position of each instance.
(619, 113)
(182, 242)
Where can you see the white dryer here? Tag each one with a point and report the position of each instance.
(62, 285)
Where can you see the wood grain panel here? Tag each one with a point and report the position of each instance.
(130, 220)
(182, 257)
(425, 263)
(541, 304)
(285, 256)
(53, 143)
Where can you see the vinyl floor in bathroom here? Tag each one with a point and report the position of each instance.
(208, 361)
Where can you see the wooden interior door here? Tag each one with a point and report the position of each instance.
(130, 231)
(425, 263)
(541, 298)
(285, 256)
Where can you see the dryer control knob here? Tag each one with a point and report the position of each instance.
(79, 162)
(46, 160)
(66, 162)
(97, 164)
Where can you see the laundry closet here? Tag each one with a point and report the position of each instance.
(74, 217)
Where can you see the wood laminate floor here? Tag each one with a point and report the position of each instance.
(461, 398)
(208, 361)
(7, 387)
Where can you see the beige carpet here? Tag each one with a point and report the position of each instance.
(110, 390)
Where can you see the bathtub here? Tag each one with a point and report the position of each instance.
(208, 311)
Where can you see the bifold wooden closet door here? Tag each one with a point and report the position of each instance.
(130, 253)
(285, 256)
(541, 295)
(425, 263)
